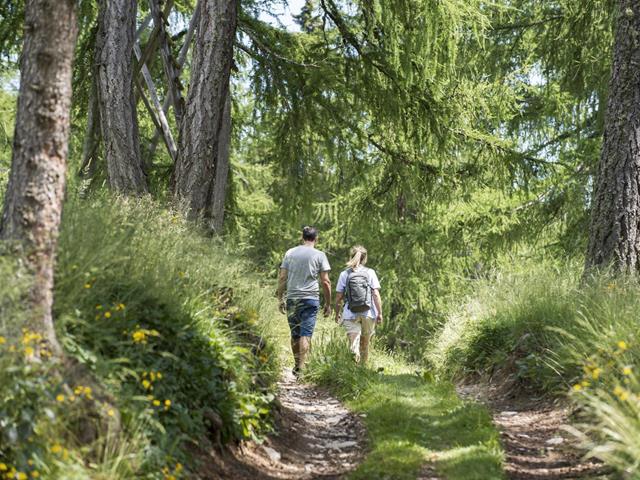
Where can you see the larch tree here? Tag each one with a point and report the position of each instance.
(118, 118)
(614, 236)
(34, 197)
(204, 132)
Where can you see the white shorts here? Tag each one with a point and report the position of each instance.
(360, 325)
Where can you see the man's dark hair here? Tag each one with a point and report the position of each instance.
(309, 233)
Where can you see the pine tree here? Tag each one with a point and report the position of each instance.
(118, 118)
(33, 202)
(203, 131)
(614, 236)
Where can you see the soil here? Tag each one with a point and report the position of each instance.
(316, 438)
(534, 437)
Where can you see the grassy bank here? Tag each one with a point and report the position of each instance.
(167, 335)
(546, 329)
(412, 421)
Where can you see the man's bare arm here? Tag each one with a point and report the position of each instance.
(282, 286)
(326, 288)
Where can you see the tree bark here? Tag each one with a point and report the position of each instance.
(169, 64)
(92, 134)
(33, 202)
(222, 170)
(118, 120)
(182, 56)
(614, 239)
(203, 126)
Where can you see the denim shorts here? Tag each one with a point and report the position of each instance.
(301, 314)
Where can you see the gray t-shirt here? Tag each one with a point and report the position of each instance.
(303, 265)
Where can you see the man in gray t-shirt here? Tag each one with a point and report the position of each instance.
(300, 270)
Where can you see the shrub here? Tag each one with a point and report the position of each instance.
(167, 338)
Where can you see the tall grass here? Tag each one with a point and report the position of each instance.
(545, 328)
(169, 339)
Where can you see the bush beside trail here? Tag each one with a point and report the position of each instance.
(547, 330)
(168, 341)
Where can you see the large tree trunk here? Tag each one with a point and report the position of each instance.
(614, 237)
(92, 135)
(222, 170)
(203, 123)
(118, 120)
(33, 202)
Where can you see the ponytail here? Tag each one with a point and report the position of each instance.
(358, 257)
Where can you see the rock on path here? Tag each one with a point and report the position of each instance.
(317, 437)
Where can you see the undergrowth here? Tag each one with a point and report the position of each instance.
(167, 338)
(547, 329)
(412, 421)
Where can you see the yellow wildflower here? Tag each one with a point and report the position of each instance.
(35, 474)
(30, 462)
(87, 285)
(153, 376)
(585, 383)
(596, 373)
(146, 384)
(139, 336)
(167, 404)
(65, 454)
(622, 345)
(159, 375)
(178, 467)
(2, 340)
(626, 371)
(28, 351)
(60, 398)
(21, 476)
(107, 314)
(156, 403)
(621, 393)
(111, 412)
(577, 387)
(56, 448)
(3, 467)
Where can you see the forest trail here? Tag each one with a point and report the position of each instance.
(533, 436)
(316, 437)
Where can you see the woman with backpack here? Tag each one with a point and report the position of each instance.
(359, 286)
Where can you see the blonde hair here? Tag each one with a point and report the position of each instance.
(358, 257)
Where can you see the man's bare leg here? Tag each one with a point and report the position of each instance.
(304, 347)
(295, 348)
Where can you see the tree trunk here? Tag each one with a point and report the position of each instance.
(169, 64)
(614, 239)
(92, 134)
(118, 120)
(33, 202)
(203, 126)
(222, 170)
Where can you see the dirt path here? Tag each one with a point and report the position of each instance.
(533, 437)
(317, 437)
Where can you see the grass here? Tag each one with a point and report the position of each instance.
(170, 338)
(411, 420)
(546, 329)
